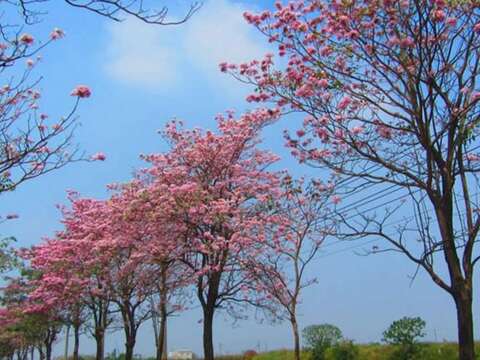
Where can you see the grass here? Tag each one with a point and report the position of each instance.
(280, 355)
(430, 351)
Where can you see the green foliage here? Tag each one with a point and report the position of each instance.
(405, 331)
(281, 355)
(405, 334)
(318, 338)
(430, 351)
(343, 350)
(8, 258)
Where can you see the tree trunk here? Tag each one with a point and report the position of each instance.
(67, 337)
(76, 341)
(41, 354)
(466, 341)
(461, 283)
(164, 355)
(161, 340)
(155, 330)
(129, 347)
(100, 340)
(296, 338)
(129, 327)
(48, 352)
(162, 335)
(208, 313)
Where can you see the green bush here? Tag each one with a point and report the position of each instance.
(404, 334)
(344, 350)
(318, 338)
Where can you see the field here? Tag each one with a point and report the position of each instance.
(431, 351)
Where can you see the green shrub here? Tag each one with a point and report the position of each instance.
(405, 334)
(318, 338)
(344, 350)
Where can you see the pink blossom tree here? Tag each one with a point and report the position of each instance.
(36, 326)
(72, 270)
(133, 275)
(31, 144)
(210, 187)
(111, 258)
(391, 98)
(155, 244)
(279, 272)
(172, 297)
(59, 287)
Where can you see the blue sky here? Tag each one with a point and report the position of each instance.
(142, 76)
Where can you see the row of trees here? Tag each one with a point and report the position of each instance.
(390, 94)
(207, 218)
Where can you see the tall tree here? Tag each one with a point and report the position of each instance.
(73, 272)
(209, 185)
(390, 93)
(279, 270)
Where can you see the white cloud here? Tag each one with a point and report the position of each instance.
(152, 56)
(219, 34)
(141, 55)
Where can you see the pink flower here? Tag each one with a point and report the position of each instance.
(336, 199)
(99, 157)
(475, 96)
(451, 21)
(305, 91)
(57, 34)
(82, 91)
(38, 166)
(357, 130)
(472, 157)
(300, 133)
(26, 39)
(223, 67)
(344, 103)
(323, 83)
(438, 15)
(354, 34)
(384, 131)
(476, 28)
(30, 63)
(393, 41)
(407, 43)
